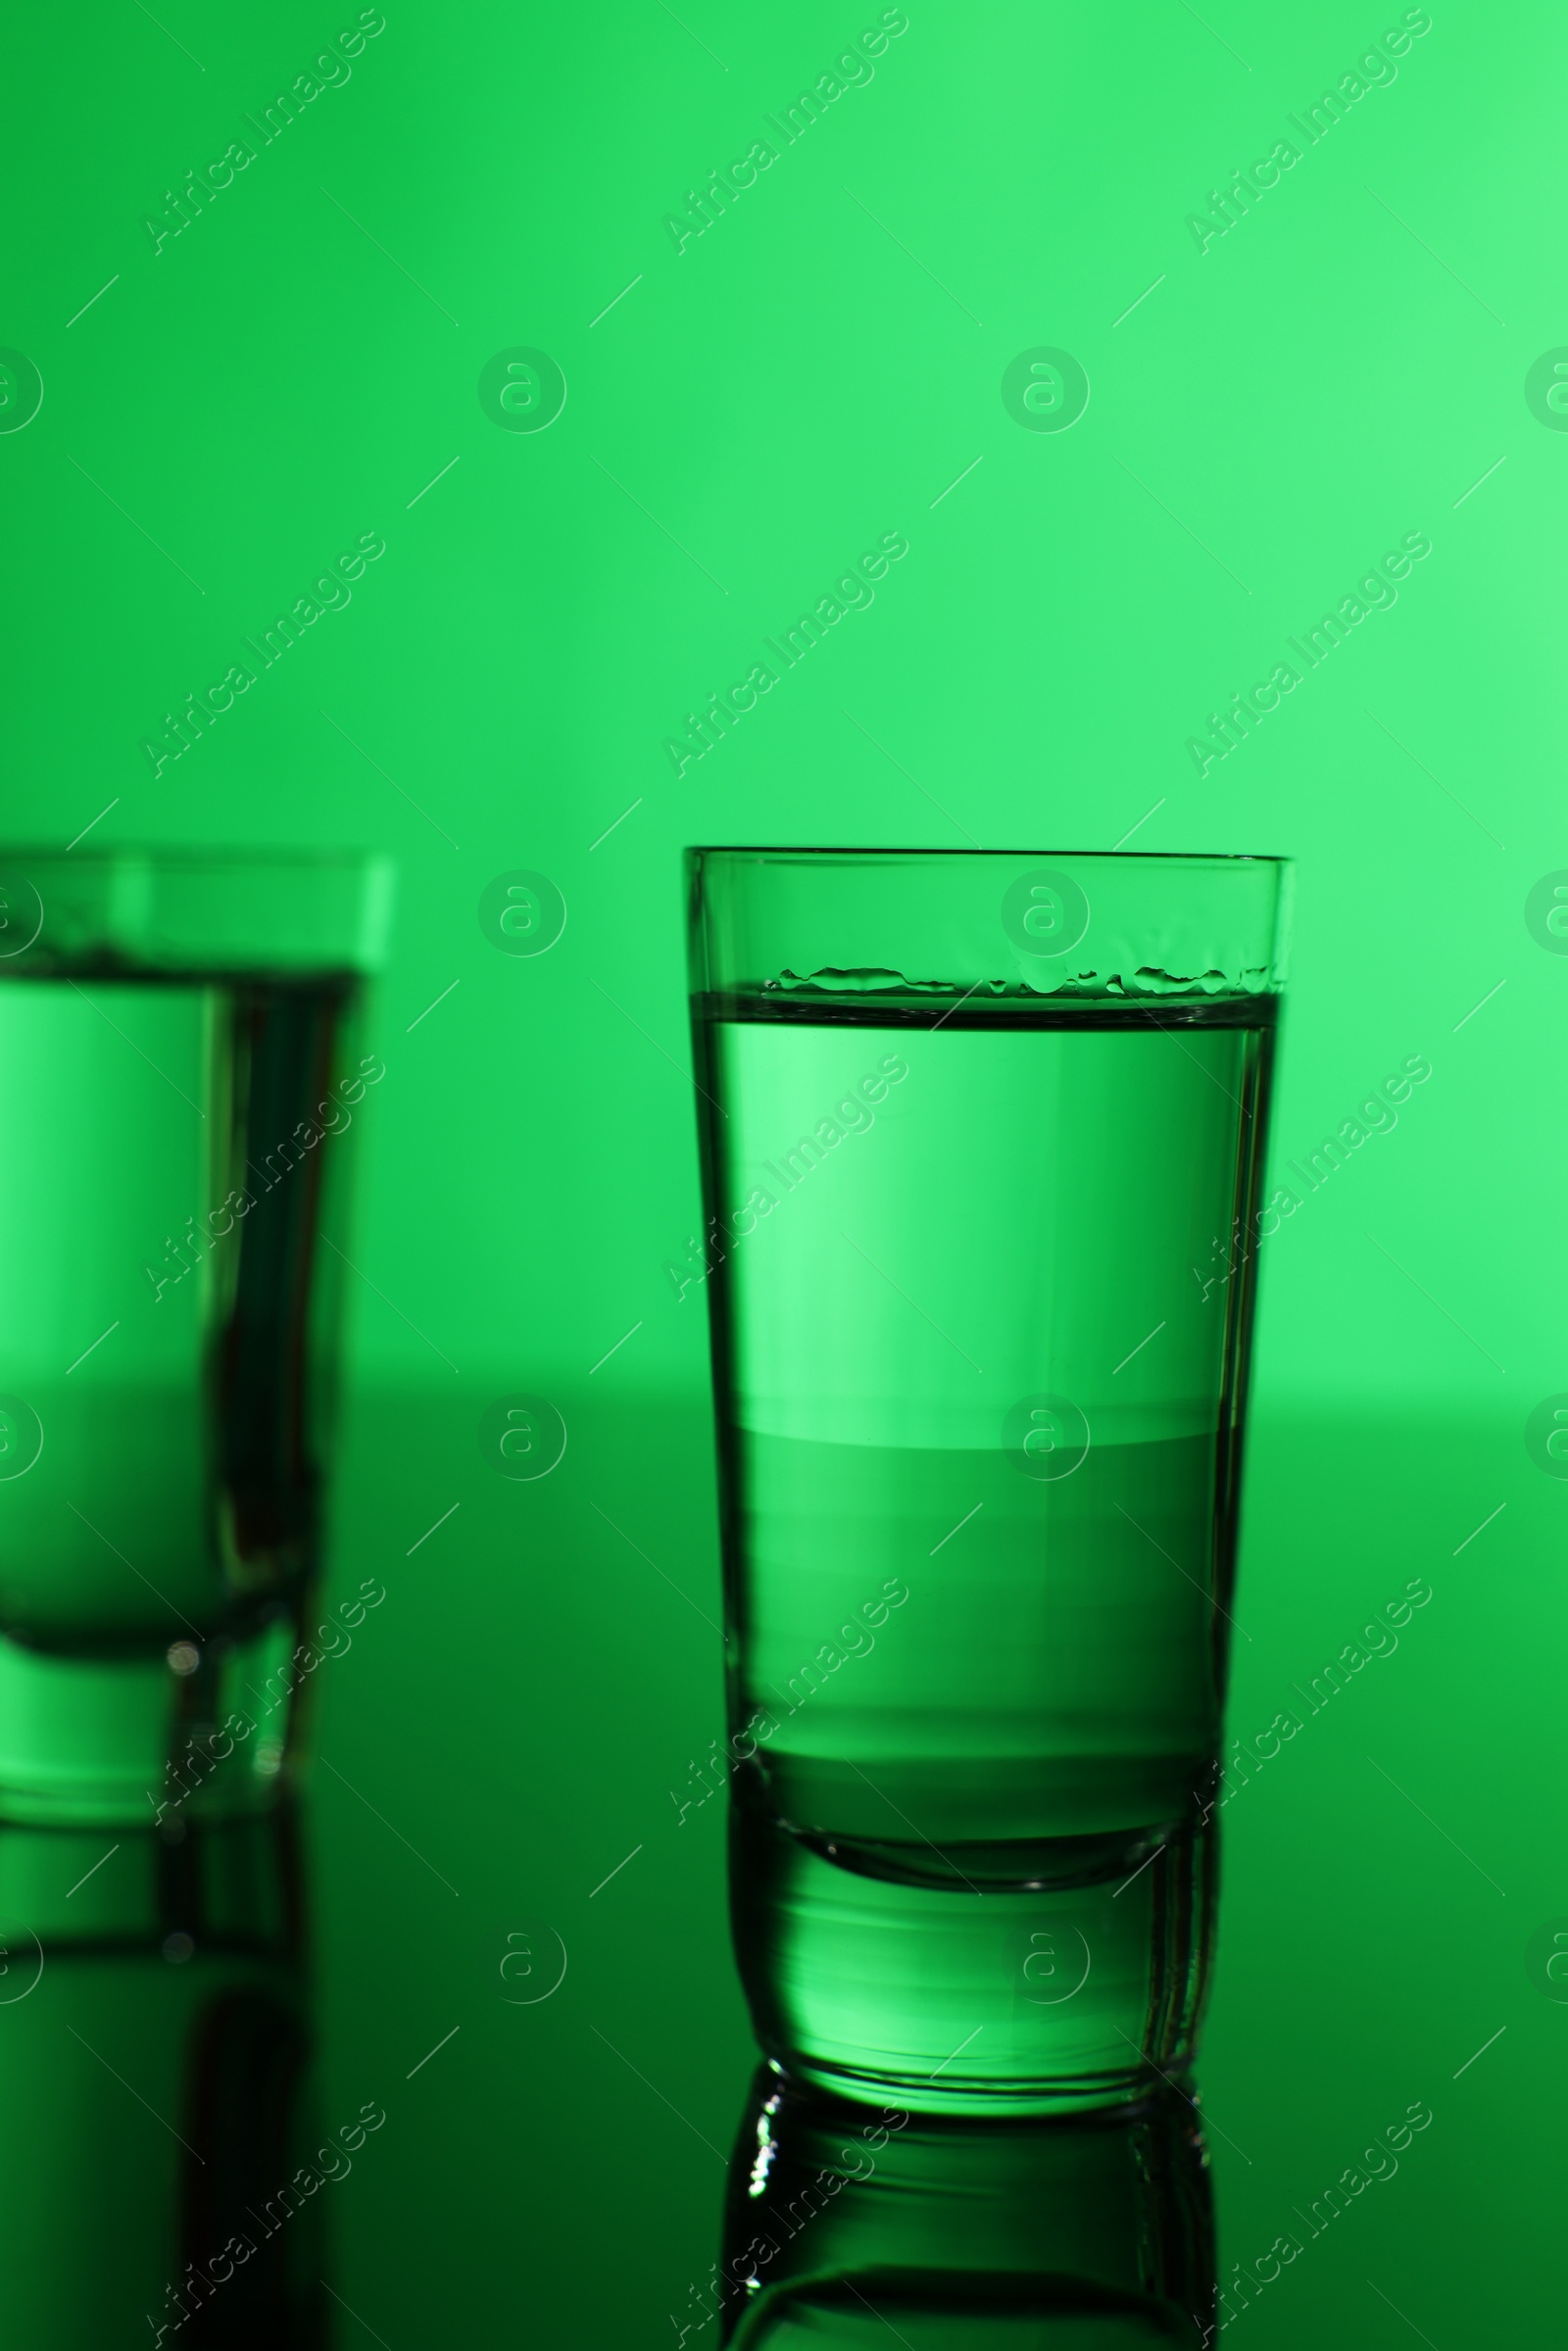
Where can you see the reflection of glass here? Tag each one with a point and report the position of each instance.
(847, 2227)
(178, 1074)
(982, 1141)
(155, 2093)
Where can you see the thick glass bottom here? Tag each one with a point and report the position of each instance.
(145, 1739)
(1035, 1978)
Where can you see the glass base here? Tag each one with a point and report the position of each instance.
(141, 1740)
(977, 1986)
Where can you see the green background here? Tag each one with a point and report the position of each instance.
(1342, 366)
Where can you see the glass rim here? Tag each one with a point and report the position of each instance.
(1123, 856)
(244, 853)
(1090, 926)
(125, 909)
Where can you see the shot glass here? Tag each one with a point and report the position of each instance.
(181, 1066)
(982, 1139)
